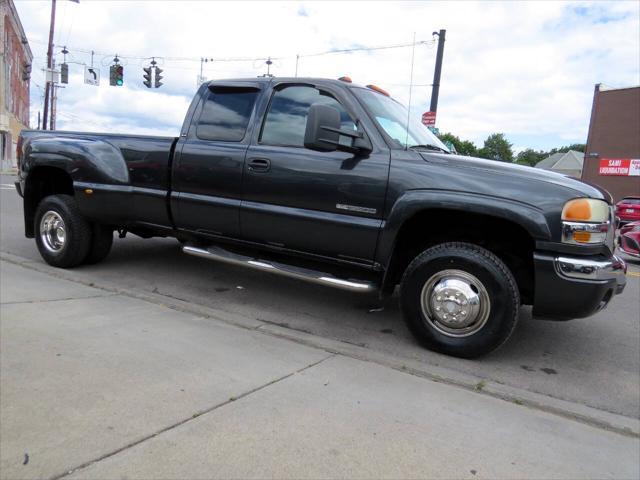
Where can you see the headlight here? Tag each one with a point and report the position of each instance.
(585, 221)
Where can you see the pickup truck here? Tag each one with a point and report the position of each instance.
(330, 182)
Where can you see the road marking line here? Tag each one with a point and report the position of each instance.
(634, 274)
(7, 185)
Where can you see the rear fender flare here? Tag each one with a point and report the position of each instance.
(85, 160)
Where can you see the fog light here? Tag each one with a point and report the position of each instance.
(582, 237)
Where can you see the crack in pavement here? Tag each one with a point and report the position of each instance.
(106, 295)
(189, 419)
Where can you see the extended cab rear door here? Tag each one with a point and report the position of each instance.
(323, 203)
(209, 159)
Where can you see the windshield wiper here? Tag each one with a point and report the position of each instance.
(429, 146)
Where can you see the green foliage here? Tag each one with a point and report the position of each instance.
(462, 147)
(497, 147)
(530, 157)
(579, 147)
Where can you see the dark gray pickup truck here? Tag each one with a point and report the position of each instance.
(327, 181)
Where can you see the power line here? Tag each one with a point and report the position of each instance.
(365, 49)
(250, 59)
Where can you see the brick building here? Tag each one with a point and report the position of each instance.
(15, 68)
(612, 158)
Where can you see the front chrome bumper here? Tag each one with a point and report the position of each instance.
(589, 269)
(575, 287)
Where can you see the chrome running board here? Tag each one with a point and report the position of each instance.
(222, 255)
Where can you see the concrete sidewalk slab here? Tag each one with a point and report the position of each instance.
(85, 377)
(18, 284)
(350, 419)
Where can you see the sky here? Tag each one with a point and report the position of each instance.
(525, 69)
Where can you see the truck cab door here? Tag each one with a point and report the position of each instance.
(322, 203)
(209, 160)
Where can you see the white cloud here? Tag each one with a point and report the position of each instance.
(523, 68)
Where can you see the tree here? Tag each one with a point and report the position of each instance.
(579, 147)
(530, 157)
(463, 147)
(497, 147)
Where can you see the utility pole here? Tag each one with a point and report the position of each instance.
(54, 99)
(47, 86)
(435, 89)
(54, 105)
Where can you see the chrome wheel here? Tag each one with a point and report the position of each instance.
(52, 231)
(455, 303)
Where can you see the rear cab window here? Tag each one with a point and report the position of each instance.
(226, 113)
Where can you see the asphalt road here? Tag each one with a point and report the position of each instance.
(593, 362)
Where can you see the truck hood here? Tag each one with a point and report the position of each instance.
(521, 171)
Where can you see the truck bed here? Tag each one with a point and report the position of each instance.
(123, 178)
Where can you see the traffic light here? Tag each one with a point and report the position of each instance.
(119, 75)
(112, 75)
(147, 77)
(158, 77)
(64, 73)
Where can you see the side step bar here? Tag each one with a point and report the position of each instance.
(217, 253)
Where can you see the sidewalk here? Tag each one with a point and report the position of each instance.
(103, 385)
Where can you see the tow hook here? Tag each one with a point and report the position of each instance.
(122, 232)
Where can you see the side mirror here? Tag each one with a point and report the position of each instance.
(323, 125)
(323, 132)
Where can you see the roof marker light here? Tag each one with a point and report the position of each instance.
(345, 79)
(378, 89)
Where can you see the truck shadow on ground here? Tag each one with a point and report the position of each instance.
(159, 266)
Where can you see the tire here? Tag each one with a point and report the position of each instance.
(456, 325)
(101, 241)
(63, 235)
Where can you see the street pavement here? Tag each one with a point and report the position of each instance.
(102, 385)
(152, 364)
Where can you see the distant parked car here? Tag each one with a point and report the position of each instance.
(629, 239)
(628, 209)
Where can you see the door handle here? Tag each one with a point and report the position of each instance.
(260, 165)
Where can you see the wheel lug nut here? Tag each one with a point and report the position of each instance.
(438, 309)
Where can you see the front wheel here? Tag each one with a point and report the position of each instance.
(459, 299)
(63, 236)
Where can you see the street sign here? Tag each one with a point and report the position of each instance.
(623, 167)
(52, 75)
(91, 76)
(429, 118)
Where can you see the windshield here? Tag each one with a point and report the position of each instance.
(391, 116)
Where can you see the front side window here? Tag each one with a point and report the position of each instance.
(286, 120)
(226, 113)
